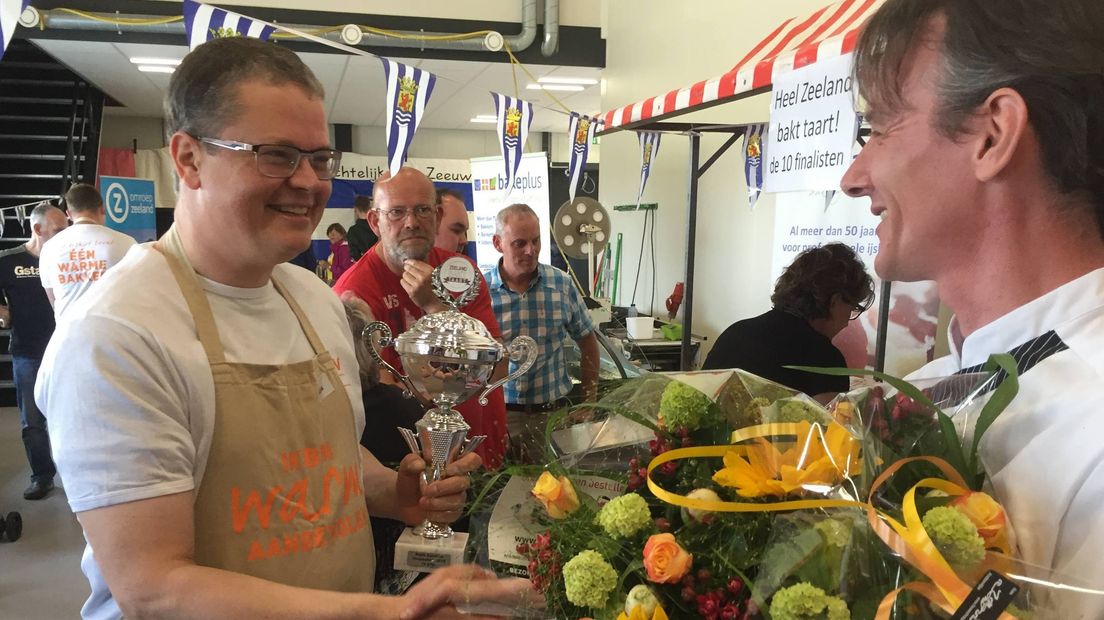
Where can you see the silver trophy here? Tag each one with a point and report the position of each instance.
(448, 356)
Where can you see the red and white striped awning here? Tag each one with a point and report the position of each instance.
(831, 31)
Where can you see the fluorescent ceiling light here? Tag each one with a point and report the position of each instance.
(564, 87)
(484, 118)
(172, 62)
(156, 69)
(551, 79)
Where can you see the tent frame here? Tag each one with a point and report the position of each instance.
(693, 131)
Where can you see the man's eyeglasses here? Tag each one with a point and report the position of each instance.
(858, 309)
(280, 161)
(398, 214)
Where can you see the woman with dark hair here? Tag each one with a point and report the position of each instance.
(340, 260)
(814, 299)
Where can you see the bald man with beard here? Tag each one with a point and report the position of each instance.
(394, 279)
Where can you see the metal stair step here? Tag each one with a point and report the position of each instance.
(34, 136)
(36, 156)
(40, 100)
(22, 176)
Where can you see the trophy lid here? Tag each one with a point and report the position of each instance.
(450, 330)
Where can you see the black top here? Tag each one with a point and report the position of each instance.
(385, 408)
(360, 238)
(32, 317)
(764, 344)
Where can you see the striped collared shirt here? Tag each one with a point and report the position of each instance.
(549, 311)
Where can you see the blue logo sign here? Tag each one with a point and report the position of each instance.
(129, 204)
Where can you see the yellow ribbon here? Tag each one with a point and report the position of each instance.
(744, 434)
(909, 540)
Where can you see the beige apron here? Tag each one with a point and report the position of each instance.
(282, 496)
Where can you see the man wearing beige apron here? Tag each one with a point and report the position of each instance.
(207, 401)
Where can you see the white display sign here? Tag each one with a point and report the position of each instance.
(489, 197)
(357, 167)
(812, 127)
(801, 222)
(512, 520)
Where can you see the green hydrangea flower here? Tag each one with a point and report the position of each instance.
(754, 409)
(589, 579)
(804, 601)
(684, 406)
(798, 410)
(624, 516)
(955, 537)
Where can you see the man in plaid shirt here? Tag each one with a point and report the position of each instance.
(538, 301)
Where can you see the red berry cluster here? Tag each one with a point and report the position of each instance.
(715, 603)
(638, 474)
(545, 564)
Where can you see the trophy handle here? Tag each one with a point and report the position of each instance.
(522, 350)
(385, 341)
(471, 444)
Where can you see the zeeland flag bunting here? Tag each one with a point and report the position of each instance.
(753, 161)
(408, 91)
(649, 148)
(203, 22)
(514, 118)
(10, 10)
(581, 130)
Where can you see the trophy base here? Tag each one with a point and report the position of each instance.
(412, 552)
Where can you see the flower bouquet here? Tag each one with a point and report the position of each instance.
(752, 501)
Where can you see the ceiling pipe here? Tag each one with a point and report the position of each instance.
(551, 43)
(517, 42)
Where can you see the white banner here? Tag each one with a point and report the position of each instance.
(801, 222)
(356, 167)
(489, 196)
(358, 173)
(812, 128)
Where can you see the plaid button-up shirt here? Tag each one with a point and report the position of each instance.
(549, 311)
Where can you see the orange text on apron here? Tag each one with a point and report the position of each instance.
(282, 496)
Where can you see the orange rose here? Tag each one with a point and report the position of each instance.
(665, 560)
(987, 516)
(556, 494)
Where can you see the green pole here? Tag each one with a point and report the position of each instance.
(616, 270)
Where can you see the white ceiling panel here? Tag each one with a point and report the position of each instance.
(354, 84)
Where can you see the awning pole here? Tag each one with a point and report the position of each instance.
(883, 326)
(691, 229)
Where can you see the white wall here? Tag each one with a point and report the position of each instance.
(653, 48)
(572, 12)
(119, 132)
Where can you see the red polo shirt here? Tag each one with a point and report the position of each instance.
(372, 280)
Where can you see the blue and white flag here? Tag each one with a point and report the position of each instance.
(753, 161)
(204, 22)
(514, 118)
(581, 130)
(649, 148)
(408, 91)
(10, 10)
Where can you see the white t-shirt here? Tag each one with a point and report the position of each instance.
(77, 257)
(1045, 454)
(129, 388)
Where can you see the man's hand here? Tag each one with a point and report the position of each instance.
(442, 501)
(448, 590)
(5, 317)
(417, 281)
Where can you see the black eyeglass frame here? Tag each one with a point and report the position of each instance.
(325, 174)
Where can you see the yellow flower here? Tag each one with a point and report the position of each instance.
(556, 494)
(987, 516)
(814, 459)
(638, 614)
